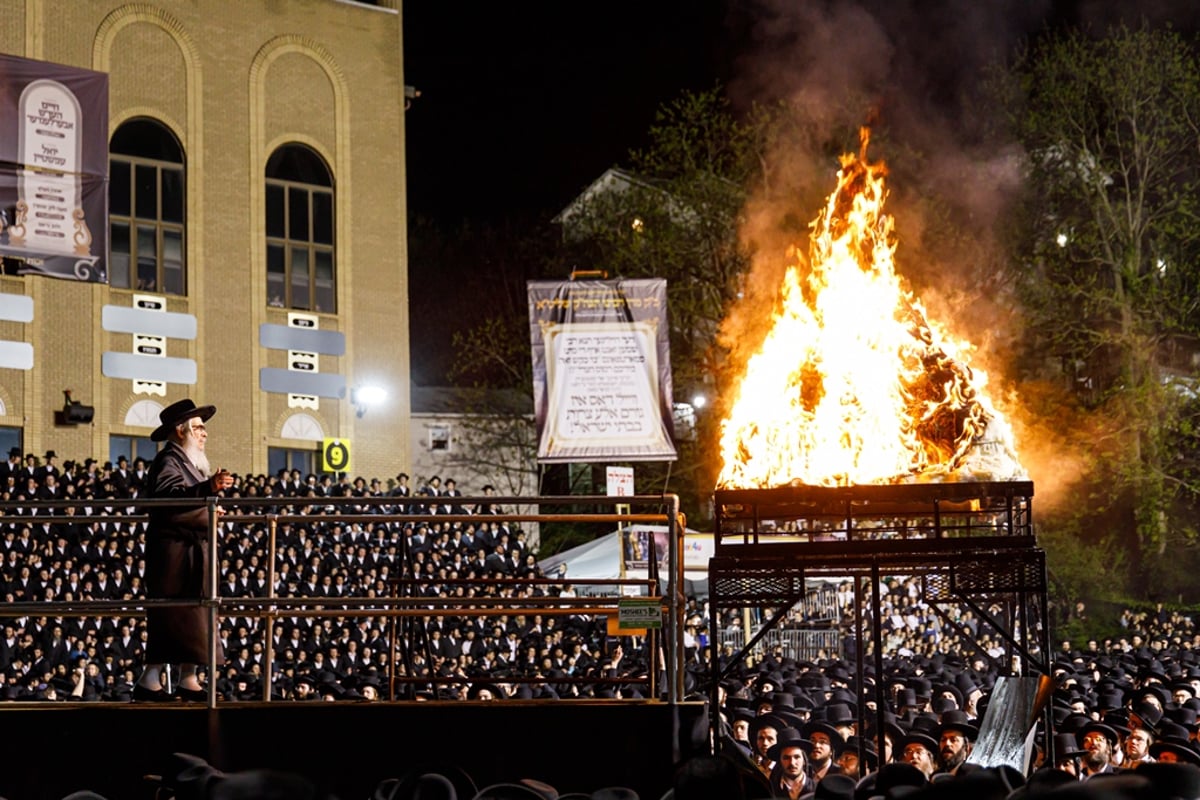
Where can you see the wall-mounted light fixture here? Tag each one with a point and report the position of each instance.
(364, 397)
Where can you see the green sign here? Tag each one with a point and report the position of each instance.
(639, 613)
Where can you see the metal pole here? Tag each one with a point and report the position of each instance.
(213, 606)
(877, 644)
(269, 617)
(675, 623)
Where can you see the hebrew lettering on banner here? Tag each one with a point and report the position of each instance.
(54, 168)
(602, 373)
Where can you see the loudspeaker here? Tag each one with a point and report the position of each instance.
(74, 413)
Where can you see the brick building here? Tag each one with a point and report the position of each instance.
(257, 196)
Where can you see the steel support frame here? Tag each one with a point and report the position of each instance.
(758, 565)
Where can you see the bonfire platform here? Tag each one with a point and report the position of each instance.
(970, 546)
(53, 749)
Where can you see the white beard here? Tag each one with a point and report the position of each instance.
(197, 456)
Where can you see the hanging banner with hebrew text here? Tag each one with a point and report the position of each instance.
(601, 370)
(54, 169)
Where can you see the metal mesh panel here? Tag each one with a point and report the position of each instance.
(1010, 574)
(731, 587)
(935, 587)
(986, 576)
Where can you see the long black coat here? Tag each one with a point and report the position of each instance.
(177, 563)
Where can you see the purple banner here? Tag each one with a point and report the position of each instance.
(54, 168)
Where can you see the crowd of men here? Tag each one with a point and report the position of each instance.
(794, 724)
(1124, 713)
(90, 549)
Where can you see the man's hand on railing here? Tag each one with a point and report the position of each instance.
(221, 479)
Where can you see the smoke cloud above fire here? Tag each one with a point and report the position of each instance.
(912, 71)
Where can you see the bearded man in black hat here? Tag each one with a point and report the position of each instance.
(956, 739)
(177, 562)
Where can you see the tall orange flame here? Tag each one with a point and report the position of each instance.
(853, 385)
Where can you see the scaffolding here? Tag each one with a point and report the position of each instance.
(962, 546)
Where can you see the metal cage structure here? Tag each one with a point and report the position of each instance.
(962, 547)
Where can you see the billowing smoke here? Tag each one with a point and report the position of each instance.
(914, 71)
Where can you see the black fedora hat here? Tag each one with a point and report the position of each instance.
(1066, 746)
(923, 739)
(766, 721)
(176, 413)
(1107, 731)
(789, 737)
(836, 739)
(956, 720)
(1180, 749)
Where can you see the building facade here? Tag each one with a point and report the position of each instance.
(257, 196)
(477, 444)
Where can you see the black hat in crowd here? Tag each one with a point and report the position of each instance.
(1109, 733)
(176, 413)
(1179, 748)
(788, 737)
(190, 776)
(820, 726)
(1066, 746)
(923, 739)
(1146, 715)
(835, 787)
(766, 721)
(890, 777)
(864, 748)
(957, 720)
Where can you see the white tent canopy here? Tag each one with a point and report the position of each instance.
(605, 558)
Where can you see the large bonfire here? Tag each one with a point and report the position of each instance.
(854, 384)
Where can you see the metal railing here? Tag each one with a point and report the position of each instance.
(665, 645)
(801, 645)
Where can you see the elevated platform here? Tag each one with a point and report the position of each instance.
(963, 540)
(860, 518)
(348, 748)
(967, 546)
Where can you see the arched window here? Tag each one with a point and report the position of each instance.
(300, 260)
(145, 209)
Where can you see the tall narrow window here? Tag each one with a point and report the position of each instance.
(301, 270)
(145, 209)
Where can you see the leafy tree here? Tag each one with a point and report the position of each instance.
(1106, 255)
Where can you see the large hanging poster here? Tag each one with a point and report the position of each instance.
(601, 370)
(54, 168)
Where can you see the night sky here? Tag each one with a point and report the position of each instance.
(523, 104)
